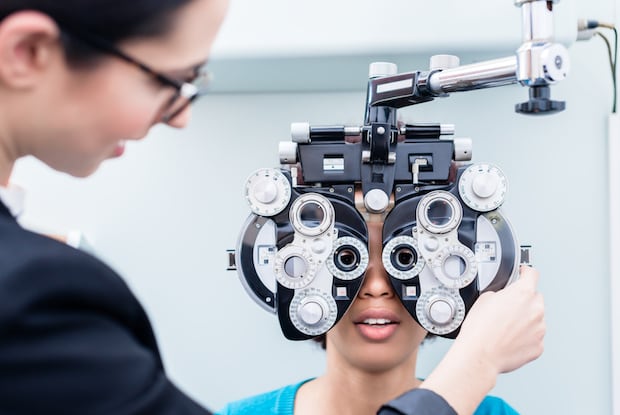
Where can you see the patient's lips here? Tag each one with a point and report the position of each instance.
(377, 324)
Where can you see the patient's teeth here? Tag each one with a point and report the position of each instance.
(375, 321)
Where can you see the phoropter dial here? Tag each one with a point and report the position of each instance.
(455, 266)
(294, 266)
(313, 311)
(483, 187)
(440, 310)
(267, 191)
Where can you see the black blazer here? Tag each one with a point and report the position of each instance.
(73, 338)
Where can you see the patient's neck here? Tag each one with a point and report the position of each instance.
(345, 389)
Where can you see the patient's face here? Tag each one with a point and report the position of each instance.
(377, 333)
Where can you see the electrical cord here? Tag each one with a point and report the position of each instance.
(590, 25)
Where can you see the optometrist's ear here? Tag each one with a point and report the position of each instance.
(29, 42)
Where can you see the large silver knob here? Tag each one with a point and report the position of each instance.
(378, 69)
(483, 187)
(313, 311)
(267, 191)
(300, 132)
(462, 149)
(287, 150)
(444, 62)
(440, 310)
(376, 201)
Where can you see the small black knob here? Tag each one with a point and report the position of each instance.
(539, 103)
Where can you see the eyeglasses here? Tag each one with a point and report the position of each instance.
(186, 92)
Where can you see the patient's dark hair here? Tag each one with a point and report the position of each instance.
(112, 20)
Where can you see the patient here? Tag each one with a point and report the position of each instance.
(371, 357)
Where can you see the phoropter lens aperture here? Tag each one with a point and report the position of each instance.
(311, 215)
(439, 212)
(295, 267)
(346, 258)
(404, 257)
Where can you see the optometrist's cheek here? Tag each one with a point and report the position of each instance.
(129, 123)
(143, 111)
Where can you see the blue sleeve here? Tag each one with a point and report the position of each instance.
(417, 402)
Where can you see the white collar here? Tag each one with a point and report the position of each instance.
(13, 197)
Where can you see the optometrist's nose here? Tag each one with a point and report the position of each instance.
(181, 119)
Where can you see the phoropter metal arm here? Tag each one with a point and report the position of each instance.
(538, 63)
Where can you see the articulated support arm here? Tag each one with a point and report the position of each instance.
(538, 63)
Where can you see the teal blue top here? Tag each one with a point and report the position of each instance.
(282, 402)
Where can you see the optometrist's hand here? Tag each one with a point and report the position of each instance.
(507, 327)
(503, 331)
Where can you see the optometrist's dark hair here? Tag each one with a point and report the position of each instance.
(322, 339)
(113, 20)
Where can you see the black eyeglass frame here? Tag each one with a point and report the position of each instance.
(186, 90)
